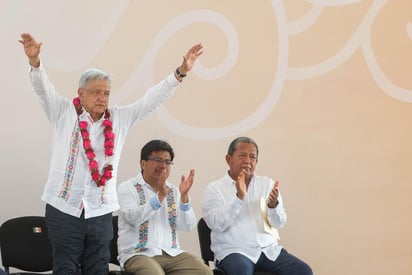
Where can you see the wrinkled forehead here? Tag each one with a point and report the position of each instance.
(245, 147)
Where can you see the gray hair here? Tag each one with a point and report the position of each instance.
(93, 74)
(233, 144)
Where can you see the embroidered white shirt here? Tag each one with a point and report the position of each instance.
(70, 187)
(137, 209)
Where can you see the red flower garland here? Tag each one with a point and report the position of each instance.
(108, 145)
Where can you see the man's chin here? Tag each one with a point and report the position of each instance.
(99, 110)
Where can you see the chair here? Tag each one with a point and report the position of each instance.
(113, 249)
(207, 254)
(24, 245)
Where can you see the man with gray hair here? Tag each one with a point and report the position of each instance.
(244, 211)
(80, 193)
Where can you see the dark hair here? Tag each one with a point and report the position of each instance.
(233, 144)
(156, 145)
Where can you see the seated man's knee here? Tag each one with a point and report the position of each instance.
(236, 264)
(305, 269)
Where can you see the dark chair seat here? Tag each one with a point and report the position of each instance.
(25, 246)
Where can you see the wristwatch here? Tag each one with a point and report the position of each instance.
(179, 74)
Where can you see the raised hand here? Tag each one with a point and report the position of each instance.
(31, 48)
(273, 196)
(185, 185)
(190, 58)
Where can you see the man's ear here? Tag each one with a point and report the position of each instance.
(228, 158)
(142, 163)
(80, 92)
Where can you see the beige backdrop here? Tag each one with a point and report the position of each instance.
(324, 87)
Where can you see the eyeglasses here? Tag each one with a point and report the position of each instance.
(161, 161)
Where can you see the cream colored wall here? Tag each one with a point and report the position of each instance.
(323, 86)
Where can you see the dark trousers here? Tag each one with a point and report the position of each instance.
(79, 244)
(285, 264)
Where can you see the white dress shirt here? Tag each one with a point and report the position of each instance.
(70, 187)
(237, 225)
(140, 211)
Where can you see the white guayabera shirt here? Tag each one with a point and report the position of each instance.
(70, 187)
(237, 225)
(148, 227)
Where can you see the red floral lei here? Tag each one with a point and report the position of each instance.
(108, 145)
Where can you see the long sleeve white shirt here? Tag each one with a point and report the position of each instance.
(145, 223)
(70, 187)
(237, 225)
